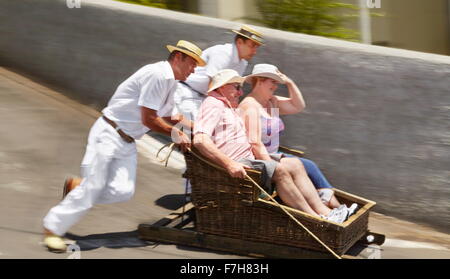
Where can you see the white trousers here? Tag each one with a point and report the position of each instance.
(109, 176)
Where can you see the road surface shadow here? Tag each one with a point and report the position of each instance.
(172, 201)
(114, 240)
(130, 239)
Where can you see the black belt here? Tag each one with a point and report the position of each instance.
(122, 134)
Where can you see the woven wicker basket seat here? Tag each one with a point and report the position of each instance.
(232, 207)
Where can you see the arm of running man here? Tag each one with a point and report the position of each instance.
(151, 119)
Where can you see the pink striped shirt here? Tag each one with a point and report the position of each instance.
(218, 120)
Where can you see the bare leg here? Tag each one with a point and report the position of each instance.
(70, 184)
(328, 198)
(47, 232)
(304, 184)
(334, 203)
(288, 191)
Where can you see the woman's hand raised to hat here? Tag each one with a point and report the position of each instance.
(295, 103)
(285, 78)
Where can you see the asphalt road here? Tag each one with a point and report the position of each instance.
(42, 140)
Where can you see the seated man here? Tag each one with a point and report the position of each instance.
(220, 135)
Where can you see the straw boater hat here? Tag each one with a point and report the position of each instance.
(225, 77)
(188, 49)
(250, 33)
(265, 70)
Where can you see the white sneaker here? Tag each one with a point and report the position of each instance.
(325, 195)
(338, 215)
(55, 243)
(352, 209)
(342, 206)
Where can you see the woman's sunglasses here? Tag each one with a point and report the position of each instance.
(237, 86)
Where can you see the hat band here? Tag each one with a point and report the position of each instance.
(251, 35)
(184, 48)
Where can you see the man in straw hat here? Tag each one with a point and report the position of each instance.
(190, 93)
(140, 103)
(220, 134)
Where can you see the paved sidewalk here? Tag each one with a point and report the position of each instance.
(42, 140)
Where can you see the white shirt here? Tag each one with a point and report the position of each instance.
(152, 86)
(218, 57)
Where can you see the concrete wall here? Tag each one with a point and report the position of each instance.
(234, 10)
(377, 119)
(413, 24)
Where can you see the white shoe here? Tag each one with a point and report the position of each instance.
(55, 244)
(352, 209)
(338, 215)
(325, 195)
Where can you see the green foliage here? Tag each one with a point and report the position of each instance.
(314, 17)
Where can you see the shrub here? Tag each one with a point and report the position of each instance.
(314, 17)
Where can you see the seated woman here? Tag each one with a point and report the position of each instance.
(220, 135)
(262, 105)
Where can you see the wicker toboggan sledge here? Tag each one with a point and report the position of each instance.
(229, 209)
